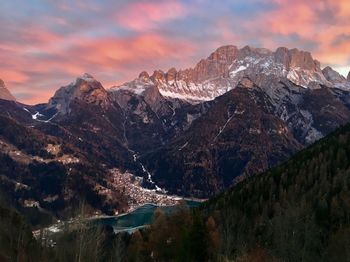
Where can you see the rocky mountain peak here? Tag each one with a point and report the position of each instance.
(252, 51)
(335, 78)
(224, 53)
(158, 76)
(348, 78)
(5, 93)
(85, 88)
(302, 59)
(144, 75)
(87, 77)
(223, 69)
(281, 55)
(332, 75)
(215, 65)
(295, 58)
(171, 75)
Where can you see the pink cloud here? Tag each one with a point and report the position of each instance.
(145, 15)
(318, 22)
(120, 58)
(37, 60)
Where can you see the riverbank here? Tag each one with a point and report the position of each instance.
(138, 218)
(135, 217)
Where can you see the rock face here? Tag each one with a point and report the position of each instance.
(335, 78)
(225, 67)
(348, 78)
(85, 88)
(5, 93)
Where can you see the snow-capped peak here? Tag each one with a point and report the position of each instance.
(226, 66)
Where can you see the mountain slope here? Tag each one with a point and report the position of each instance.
(297, 211)
(237, 135)
(44, 176)
(244, 132)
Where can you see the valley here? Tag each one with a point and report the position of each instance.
(96, 160)
(128, 145)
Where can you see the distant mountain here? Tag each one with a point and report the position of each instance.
(5, 93)
(85, 89)
(196, 131)
(224, 68)
(335, 78)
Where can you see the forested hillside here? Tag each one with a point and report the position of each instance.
(299, 211)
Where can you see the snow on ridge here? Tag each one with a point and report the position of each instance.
(38, 114)
(190, 97)
(239, 69)
(138, 90)
(137, 86)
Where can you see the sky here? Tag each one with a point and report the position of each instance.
(46, 44)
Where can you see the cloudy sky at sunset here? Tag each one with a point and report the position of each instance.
(45, 44)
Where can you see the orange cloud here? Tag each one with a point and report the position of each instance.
(319, 22)
(115, 40)
(145, 15)
(108, 59)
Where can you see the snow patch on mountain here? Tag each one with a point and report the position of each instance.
(137, 86)
(239, 69)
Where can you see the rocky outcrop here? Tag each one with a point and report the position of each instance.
(85, 88)
(348, 78)
(335, 78)
(294, 58)
(5, 93)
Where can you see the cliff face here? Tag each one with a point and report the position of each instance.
(227, 65)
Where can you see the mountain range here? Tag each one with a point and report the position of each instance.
(191, 132)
